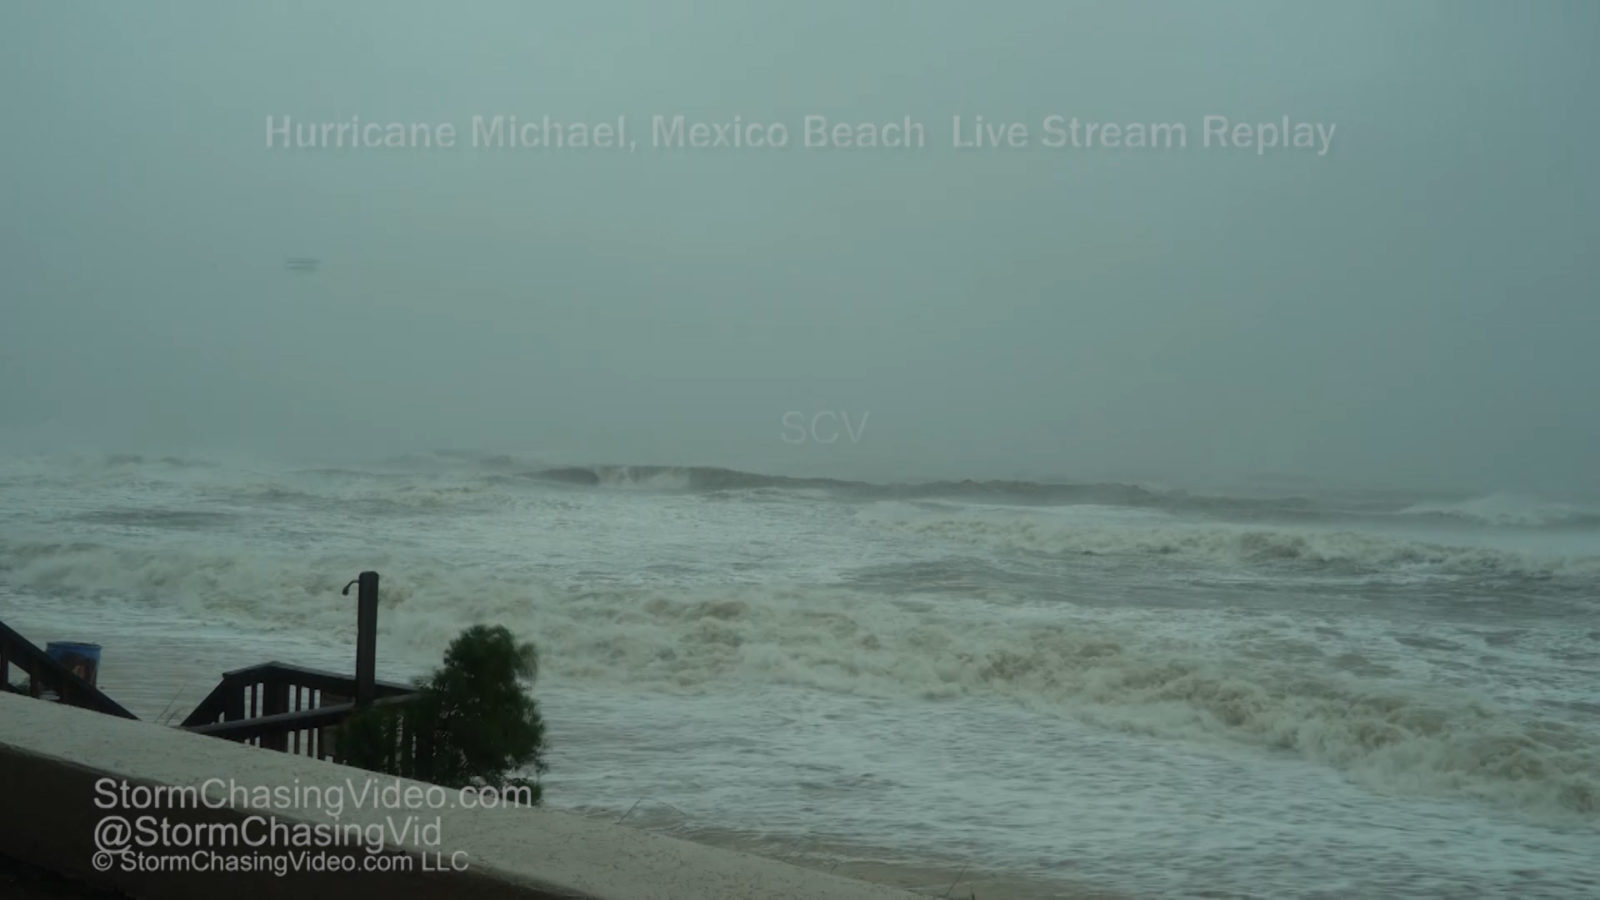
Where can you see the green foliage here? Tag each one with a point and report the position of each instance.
(370, 739)
(474, 722)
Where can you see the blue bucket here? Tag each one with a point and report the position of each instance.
(82, 660)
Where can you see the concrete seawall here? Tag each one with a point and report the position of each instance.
(63, 772)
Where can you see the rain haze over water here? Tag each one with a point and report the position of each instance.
(1144, 447)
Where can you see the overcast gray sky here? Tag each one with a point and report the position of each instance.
(1416, 306)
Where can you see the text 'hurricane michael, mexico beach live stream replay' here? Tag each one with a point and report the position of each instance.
(813, 131)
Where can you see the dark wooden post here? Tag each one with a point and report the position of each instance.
(422, 762)
(366, 638)
(234, 710)
(275, 700)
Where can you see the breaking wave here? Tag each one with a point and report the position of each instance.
(1496, 510)
(462, 472)
(1508, 510)
(1233, 545)
(707, 479)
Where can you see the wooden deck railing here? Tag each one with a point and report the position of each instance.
(274, 705)
(45, 674)
(283, 707)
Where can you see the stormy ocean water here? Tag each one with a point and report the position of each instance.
(1063, 687)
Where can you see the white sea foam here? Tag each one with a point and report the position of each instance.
(1123, 670)
(716, 640)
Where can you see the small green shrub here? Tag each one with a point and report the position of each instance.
(474, 722)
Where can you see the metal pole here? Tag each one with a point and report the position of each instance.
(366, 637)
